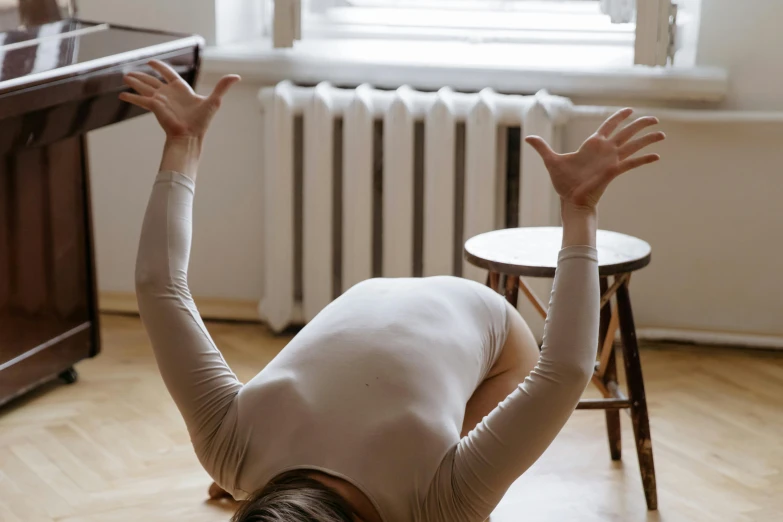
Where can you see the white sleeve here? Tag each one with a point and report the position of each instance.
(473, 478)
(193, 369)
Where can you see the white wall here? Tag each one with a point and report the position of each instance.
(226, 255)
(711, 209)
(745, 37)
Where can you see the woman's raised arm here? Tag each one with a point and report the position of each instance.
(193, 369)
(474, 477)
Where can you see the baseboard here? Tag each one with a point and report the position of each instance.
(745, 340)
(246, 310)
(208, 307)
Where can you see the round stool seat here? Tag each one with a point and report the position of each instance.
(532, 251)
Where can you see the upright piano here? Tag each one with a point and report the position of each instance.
(59, 79)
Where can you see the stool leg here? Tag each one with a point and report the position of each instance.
(512, 290)
(613, 416)
(639, 418)
(493, 280)
(609, 373)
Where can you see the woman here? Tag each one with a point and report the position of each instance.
(403, 400)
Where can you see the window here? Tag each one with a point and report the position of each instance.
(650, 29)
(521, 21)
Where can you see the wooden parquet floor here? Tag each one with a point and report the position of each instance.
(113, 448)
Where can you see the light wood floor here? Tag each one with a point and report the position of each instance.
(113, 448)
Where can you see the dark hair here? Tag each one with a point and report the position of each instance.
(294, 497)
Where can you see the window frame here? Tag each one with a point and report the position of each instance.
(651, 36)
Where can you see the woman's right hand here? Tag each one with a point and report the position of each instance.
(217, 493)
(180, 111)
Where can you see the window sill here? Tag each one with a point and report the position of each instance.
(567, 70)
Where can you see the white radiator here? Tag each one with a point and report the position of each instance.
(362, 183)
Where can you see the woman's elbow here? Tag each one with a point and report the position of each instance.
(150, 280)
(577, 373)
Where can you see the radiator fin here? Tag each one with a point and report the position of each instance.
(278, 303)
(481, 164)
(317, 202)
(358, 189)
(398, 186)
(439, 186)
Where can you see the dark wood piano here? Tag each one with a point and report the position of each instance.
(59, 78)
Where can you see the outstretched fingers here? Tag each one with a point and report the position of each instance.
(150, 80)
(139, 86)
(140, 101)
(542, 147)
(635, 145)
(222, 87)
(165, 70)
(161, 110)
(614, 121)
(633, 163)
(633, 129)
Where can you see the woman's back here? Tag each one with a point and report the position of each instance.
(374, 389)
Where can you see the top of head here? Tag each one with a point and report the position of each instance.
(295, 497)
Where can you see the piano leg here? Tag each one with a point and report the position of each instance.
(48, 305)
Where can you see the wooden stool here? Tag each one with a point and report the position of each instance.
(513, 253)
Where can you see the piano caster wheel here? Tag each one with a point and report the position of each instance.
(69, 376)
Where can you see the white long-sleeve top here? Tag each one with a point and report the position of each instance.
(373, 390)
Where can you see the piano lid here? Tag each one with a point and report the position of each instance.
(35, 54)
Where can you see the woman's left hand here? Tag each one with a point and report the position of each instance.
(581, 177)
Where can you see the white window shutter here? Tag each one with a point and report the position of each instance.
(655, 27)
(286, 22)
